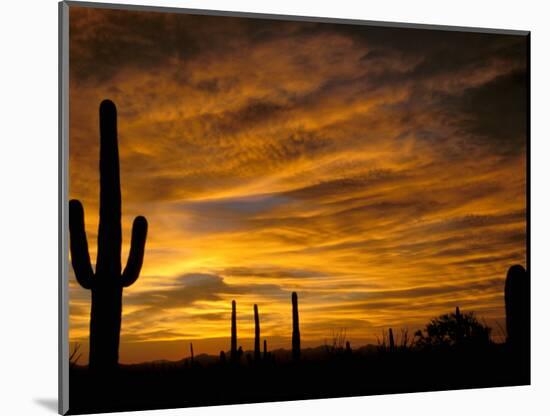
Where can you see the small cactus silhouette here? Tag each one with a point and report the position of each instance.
(265, 349)
(517, 300)
(192, 353)
(295, 328)
(392, 342)
(107, 283)
(257, 354)
(348, 348)
(222, 357)
(233, 331)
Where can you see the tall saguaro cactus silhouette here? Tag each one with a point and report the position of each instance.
(517, 300)
(107, 283)
(234, 353)
(295, 328)
(257, 353)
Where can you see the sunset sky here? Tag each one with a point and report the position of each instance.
(378, 172)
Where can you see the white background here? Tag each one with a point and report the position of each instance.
(28, 207)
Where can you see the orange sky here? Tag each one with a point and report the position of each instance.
(378, 172)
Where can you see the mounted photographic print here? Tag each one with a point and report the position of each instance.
(260, 208)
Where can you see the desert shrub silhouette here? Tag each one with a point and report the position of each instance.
(517, 300)
(295, 328)
(107, 283)
(337, 342)
(454, 330)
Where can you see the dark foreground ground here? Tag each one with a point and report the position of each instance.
(211, 382)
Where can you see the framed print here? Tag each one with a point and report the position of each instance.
(260, 208)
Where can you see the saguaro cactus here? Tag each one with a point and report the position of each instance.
(295, 328)
(107, 282)
(517, 300)
(392, 342)
(265, 349)
(233, 330)
(192, 353)
(257, 354)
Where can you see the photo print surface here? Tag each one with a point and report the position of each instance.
(266, 209)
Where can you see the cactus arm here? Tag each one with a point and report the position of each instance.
(79, 245)
(137, 249)
(109, 239)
